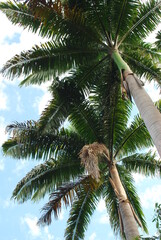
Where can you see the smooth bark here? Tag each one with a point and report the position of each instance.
(148, 111)
(130, 226)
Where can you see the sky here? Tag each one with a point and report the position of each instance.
(18, 221)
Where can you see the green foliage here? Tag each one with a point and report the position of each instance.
(82, 36)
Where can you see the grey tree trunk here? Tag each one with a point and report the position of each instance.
(130, 226)
(148, 111)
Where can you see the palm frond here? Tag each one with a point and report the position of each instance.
(49, 22)
(147, 18)
(158, 40)
(134, 137)
(45, 178)
(35, 145)
(67, 95)
(127, 11)
(55, 57)
(86, 122)
(65, 193)
(144, 163)
(80, 213)
(143, 65)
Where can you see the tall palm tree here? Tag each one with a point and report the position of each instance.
(92, 34)
(107, 144)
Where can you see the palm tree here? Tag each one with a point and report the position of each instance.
(92, 34)
(107, 144)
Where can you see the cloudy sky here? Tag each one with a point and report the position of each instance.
(18, 222)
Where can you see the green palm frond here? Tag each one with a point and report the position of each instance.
(147, 18)
(55, 57)
(148, 50)
(35, 145)
(85, 120)
(16, 128)
(127, 181)
(143, 65)
(66, 95)
(158, 40)
(49, 22)
(144, 163)
(19, 14)
(80, 213)
(127, 10)
(45, 178)
(65, 194)
(135, 137)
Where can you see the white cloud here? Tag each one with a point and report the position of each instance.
(101, 206)
(20, 165)
(42, 102)
(31, 222)
(3, 135)
(1, 164)
(61, 215)
(3, 96)
(8, 203)
(48, 235)
(152, 91)
(25, 41)
(93, 236)
(138, 178)
(104, 219)
(34, 230)
(19, 106)
(150, 196)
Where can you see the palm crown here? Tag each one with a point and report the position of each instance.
(62, 174)
(85, 33)
(86, 38)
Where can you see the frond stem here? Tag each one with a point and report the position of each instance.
(104, 30)
(119, 22)
(137, 23)
(127, 138)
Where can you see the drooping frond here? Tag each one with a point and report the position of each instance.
(65, 194)
(17, 128)
(144, 163)
(80, 213)
(54, 57)
(147, 18)
(36, 145)
(49, 22)
(127, 182)
(158, 40)
(134, 137)
(85, 120)
(66, 96)
(45, 178)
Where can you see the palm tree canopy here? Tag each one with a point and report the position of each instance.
(85, 33)
(90, 120)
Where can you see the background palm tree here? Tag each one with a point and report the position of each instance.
(62, 174)
(92, 35)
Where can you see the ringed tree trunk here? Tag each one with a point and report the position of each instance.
(89, 158)
(128, 218)
(148, 111)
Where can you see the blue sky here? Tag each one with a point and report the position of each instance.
(17, 221)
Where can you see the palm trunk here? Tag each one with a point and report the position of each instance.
(147, 109)
(130, 226)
